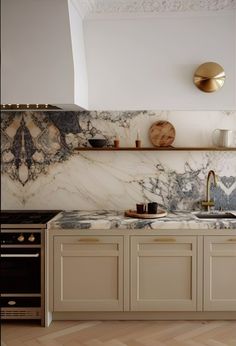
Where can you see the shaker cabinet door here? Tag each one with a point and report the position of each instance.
(88, 273)
(220, 273)
(163, 273)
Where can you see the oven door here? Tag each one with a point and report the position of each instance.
(20, 270)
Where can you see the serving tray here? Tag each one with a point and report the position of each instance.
(133, 213)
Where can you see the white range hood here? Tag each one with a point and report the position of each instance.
(43, 58)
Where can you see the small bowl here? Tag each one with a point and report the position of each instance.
(97, 142)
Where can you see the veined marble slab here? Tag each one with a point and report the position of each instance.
(109, 219)
(41, 170)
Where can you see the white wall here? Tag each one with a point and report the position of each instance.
(149, 63)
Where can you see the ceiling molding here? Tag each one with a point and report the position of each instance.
(93, 8)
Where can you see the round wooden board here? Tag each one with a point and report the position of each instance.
(133, 213)
(162, 133)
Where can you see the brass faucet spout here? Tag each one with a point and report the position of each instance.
(208, 203)
(210, 173)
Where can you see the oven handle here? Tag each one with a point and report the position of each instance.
(20, 255)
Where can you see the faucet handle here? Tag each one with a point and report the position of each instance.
(208, 203)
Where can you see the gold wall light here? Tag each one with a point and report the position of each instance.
(209, 77)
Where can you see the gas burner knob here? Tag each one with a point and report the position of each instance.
(31, 238)
(11, 302)
(21, 238)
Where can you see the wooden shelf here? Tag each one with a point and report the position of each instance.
(156, 149)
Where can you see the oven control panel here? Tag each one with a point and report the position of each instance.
(20, 238)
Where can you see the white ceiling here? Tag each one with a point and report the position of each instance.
(97, 8)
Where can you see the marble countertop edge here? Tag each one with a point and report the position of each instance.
(113, 220)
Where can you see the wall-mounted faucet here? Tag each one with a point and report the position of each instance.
(208, 202)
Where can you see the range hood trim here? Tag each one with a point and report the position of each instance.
(33, 107)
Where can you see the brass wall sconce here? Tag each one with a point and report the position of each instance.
(209, 77)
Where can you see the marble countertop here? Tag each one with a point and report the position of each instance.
(109, 219)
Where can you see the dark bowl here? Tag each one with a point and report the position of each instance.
(97, 142)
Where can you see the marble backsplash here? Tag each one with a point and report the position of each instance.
(41, 170)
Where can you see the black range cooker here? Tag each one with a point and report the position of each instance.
(22, 270)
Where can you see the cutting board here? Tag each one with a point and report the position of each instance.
(133, 213)
(162, 133)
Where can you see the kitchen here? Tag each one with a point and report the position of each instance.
(112, 71)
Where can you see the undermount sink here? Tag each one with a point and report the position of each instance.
(225, 215)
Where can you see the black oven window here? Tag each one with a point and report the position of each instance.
(20, 270)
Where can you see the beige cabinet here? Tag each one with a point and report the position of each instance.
(88, 273)
(163, 273)
(144, 273)
(220, 273)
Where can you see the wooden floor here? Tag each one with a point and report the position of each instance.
(120, 333)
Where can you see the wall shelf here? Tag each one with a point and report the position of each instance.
(155, 149)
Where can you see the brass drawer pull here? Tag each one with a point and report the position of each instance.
(165, 240)
(89, 240)
(232, 240)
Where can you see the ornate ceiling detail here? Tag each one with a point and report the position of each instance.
(103, 7)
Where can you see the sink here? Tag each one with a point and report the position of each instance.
(225, 215)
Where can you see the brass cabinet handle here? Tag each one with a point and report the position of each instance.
(165, 240)
(232, 240)
(88, 240)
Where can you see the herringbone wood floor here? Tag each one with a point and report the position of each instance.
(121, 333)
